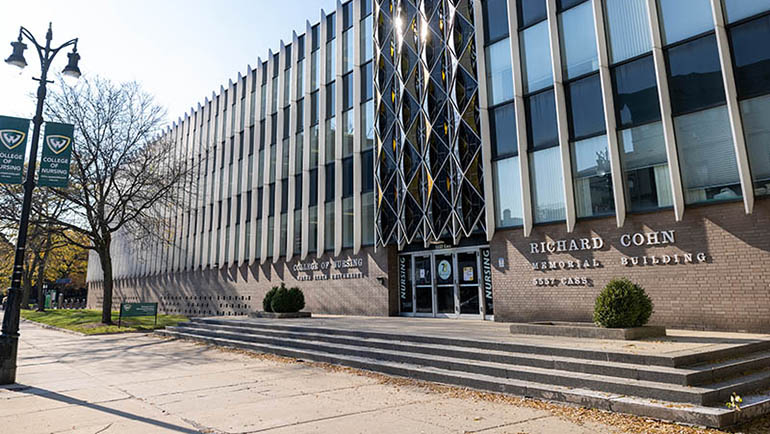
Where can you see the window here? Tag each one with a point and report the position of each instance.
(314, 146)
(298, 191)
(312, 230)
(530, 11)
(286, 87)
(751, 59)
(367, 219)
(300, 114)
(313, 190)
(315, 73)
(367, 171)
(347, 177)
(297, 231)
(547, 185)
(284, 234)
(636, 92)
(542, 130)
(298, 154)
(347, 132)
(271, 200)
(367, 125)
(258, 239)
(331, 132)
(503, 128)
(347, 15)
(645, 167)
(578, 40)
(536, 57)
(695, 77)
(628, 28)
(329, 182)
(286, 121)
(329, 226)
(499, 72)
(593, 181)
(683, 19)
(273, 128)
(285, 158)
(347, 91)
(274, 100)
(739, 9)
(272, 164)
(331, 99)
(366, 82)
(755, 113)
(331, 25)
(508, 209)
(586, 111)
(367, 44)
(495, 19)
(331, 55)
(347, 222)
(300, 78)
(706, 156)
(270, 236)
(366, 7)
(260, 173)
(347, 51)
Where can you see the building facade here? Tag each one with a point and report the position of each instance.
(488, 159)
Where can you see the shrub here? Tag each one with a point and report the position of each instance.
(287, 300)
(622, 304)
(267, 301)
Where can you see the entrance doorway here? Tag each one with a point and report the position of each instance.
(446, 283)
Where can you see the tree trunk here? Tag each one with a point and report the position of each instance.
(26, 281)
(40, 280)
(106, 261)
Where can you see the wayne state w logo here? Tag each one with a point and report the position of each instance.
(11, 138)
(57, 144)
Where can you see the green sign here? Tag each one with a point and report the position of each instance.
(138, 309)
(57, 150)
(13, 144)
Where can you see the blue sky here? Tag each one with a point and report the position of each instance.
(179, 50)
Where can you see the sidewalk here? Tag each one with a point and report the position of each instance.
(141, 384)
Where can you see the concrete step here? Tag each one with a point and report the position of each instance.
(678, 361)
(454, 362)
(717, 417)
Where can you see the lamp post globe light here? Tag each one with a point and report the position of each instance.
(9, 340)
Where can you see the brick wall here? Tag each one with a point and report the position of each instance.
(238, 291)
(729, 291)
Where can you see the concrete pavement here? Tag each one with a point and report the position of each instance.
(137, 383)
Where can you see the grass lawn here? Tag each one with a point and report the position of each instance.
(89, 321)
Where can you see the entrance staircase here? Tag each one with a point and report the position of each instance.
(689, 388)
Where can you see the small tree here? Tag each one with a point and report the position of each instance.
(622, 304)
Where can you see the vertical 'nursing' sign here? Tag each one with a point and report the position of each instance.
(13, 145)
(57, 150)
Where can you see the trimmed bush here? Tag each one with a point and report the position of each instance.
(267, 301)
(622, 304)
(287, 300)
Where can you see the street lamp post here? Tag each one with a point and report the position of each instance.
(9, 340)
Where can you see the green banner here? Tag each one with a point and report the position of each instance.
(13, 144)
(57, 150)
(138, 309)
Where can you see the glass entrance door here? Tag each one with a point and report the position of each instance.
(468, 283)
(423, 285)
(445, 284)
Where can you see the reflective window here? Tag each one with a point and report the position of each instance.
(530, 11)
(347, 51)
(636, 92)
(297, 231)
(645, 167)
(695, 77)
(315, 72)
(508, 209)
(565, 4)
(331, 65)
(314, 108)
(503, 128)
(284, 234)
(756, 127)
(592, 177)
(366, 82)
(314, 146)
(312, 230)
(331, 133)
(499, 72)
(586, 112)
(367, 219)
(536, 57)
(627, 28)
(739, 9)
(331, 26)
(542, 130)
(286, 87)
(347, 91)
(495, 19)
(367, 42)
(347, 222)
(313, 190)
(299, 156)
(706, 156)
(682, 19)
(300, 78)
(298, 191)
(347, 132)
(347, 177)
(329, 182)
(367, 125)
(367, 171)
(578, 40)
(547, 185)
(300, 114)
(329, 226)
(751, 59)
(331, 97)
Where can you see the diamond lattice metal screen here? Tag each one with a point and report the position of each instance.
(428, 167)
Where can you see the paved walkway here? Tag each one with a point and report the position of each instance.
(137, 383)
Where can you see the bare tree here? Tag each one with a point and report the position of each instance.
(122, 171)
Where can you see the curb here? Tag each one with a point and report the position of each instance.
(50, 327)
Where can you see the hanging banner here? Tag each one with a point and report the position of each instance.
(13, 145)
(57, 150)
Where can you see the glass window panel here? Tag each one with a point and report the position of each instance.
(695, 76)
(298, 154)
(499, 72)
(367, 219)
(347, 15)
(331, 99)
(347, 51)
(260, 174)
(285, 158)
(636, 92)
(536, 57)
(314, 146)
(297, 231)
(314, 107)
(367, 125)
(272, 164)
(331, 25)
(495, 19)
(751, 60)
(315, 73)
(542, 130)
(270, 236)
(508, 209)
(274, 99)
(682, 19)
(366, 82)
(347, 91)
(578, 41)
(592, 176)
(530, 11)
(367, 171)
(329, 182)
(586, 111)
(315, 32)
(300, 78)
(312, 230)
(347, 177)
(347, 132)
(645, 167)
(286, 86)
(331, 65)
(547, 185)
(756, 126)
(739, 9)
(706, 156)
(503, 123)
(331, 132)
(313, 199)
(329, 226)
(367, 42)
(366, 7)
(284, 234)
(347, 222)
